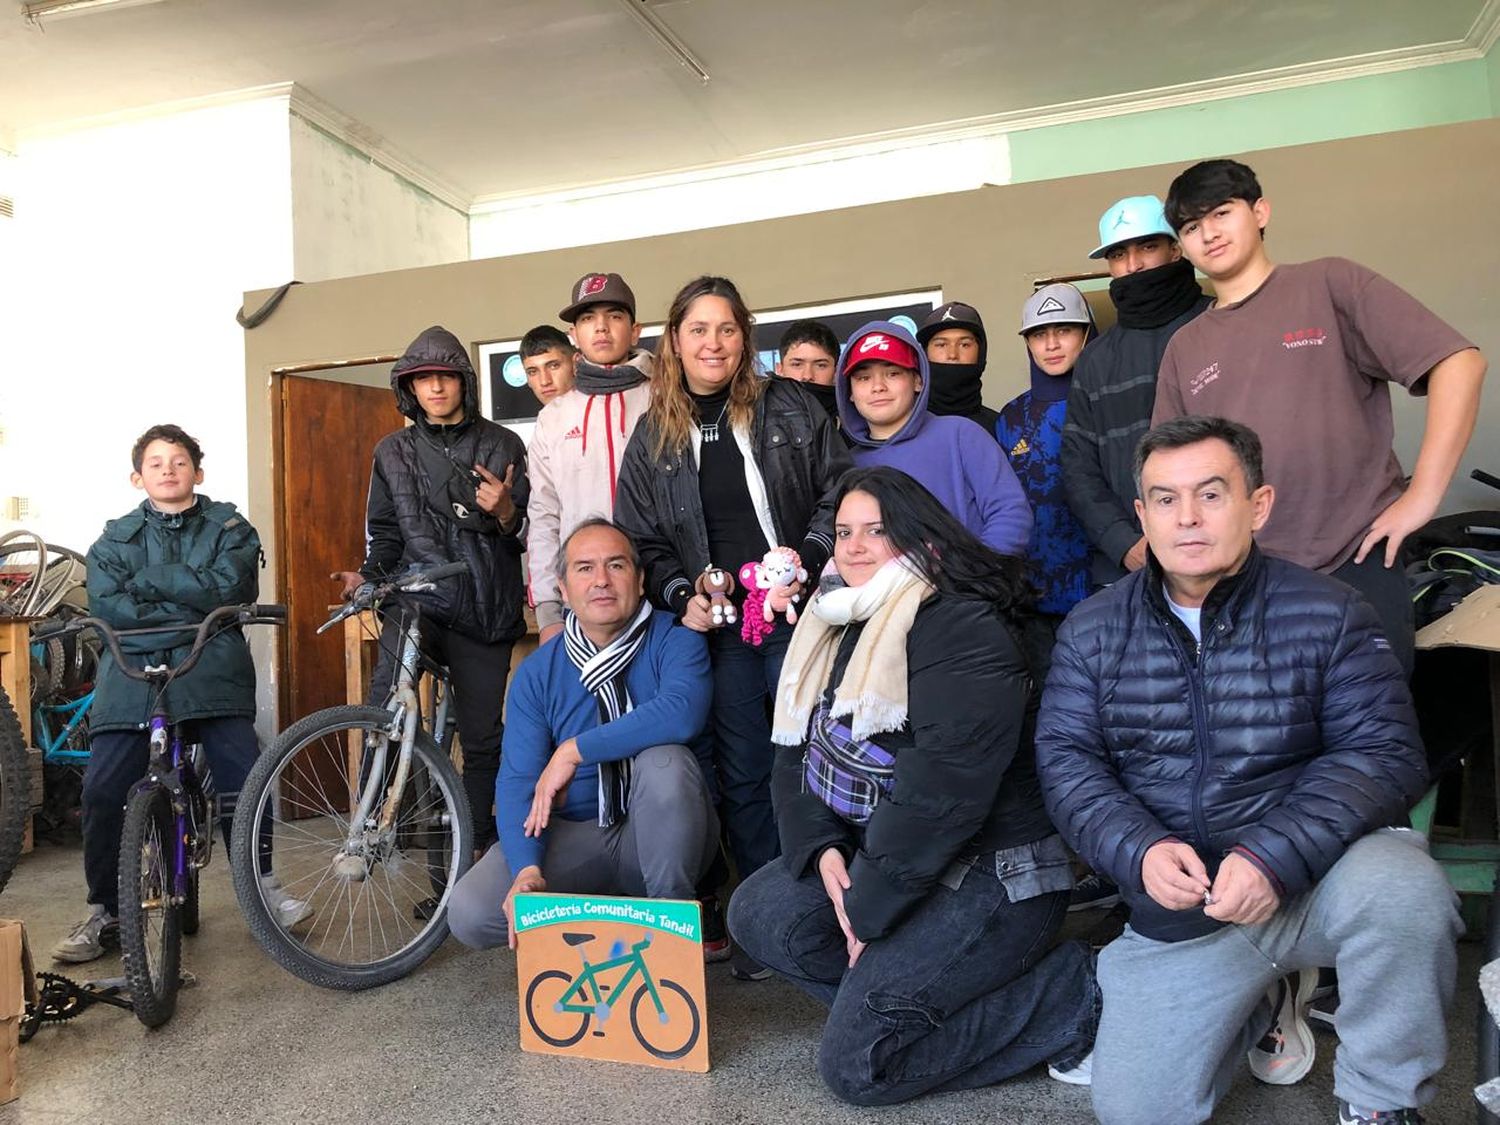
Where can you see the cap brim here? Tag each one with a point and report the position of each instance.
(571, 313)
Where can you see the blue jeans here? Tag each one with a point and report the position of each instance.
(968, 991)
(744, 691)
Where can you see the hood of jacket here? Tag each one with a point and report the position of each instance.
(1055, 388)
(436, 349)
(856, 429)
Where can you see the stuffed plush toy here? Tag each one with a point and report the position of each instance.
(768, 591)
(718, 586)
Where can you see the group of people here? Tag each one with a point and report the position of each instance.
(1148, 618)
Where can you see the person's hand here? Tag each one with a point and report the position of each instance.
(493, 494)
(697, 616)
(1406, 513)
(780, 597)
(835, 875)
(1242, 894)
(1174, 875)
(551, 786)
(527, 881)
(351, 580)
(1135, 558)
(548, 633)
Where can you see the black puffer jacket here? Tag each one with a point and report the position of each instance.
(800, 456)
(421, 508)
(1288, 737)
(965, 776)
(1109, 408)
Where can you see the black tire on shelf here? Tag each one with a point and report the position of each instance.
(672, 1052)
(15, 789)
(288, 948)
(150, 923)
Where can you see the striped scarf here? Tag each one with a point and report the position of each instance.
(602, 673)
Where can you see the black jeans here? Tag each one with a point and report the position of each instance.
(967, 992)
(745, 679)
(1388, 591)
(118, 759)
(477, 672)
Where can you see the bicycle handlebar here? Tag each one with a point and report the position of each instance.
(1485, 478)
(372, 594)
(205, 631)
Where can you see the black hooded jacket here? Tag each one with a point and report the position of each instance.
(421, 508)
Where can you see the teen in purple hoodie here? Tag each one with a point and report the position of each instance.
(882, 389)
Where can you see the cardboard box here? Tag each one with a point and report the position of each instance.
(1473, 623)
(17, 986)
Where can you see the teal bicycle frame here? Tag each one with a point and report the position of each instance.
(589, 977)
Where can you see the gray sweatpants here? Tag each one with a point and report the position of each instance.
(1180, 1016)
(660, 850)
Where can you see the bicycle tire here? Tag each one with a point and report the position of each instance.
(15, 789)
(190, 917)
(151, 956)
(665, 985)
(571, 1037)
(306, 858)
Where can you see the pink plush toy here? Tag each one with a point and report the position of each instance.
(768, 592)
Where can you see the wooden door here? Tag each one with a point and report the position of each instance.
(328, 433)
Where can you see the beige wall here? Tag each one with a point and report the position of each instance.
(1418, 206)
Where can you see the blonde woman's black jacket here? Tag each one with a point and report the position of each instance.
(800, 456)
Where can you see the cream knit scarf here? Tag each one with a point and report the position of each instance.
(874, 686)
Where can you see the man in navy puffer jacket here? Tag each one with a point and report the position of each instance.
(1229, 737)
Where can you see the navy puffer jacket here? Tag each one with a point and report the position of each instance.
(1290, 735)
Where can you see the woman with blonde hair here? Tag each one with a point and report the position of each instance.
(725, 466)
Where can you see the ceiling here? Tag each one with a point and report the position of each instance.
(498, 97)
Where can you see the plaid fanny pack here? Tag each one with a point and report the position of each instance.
(847, 774)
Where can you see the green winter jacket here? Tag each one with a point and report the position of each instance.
(150, 568)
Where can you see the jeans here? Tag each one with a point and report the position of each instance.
(745, 679)
(477, 672)
(1388, 591)
(1179, 1016)
(660, 850)
(968, 991)
(118, 759)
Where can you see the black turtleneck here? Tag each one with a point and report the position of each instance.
(1154, 297)
(734, 533)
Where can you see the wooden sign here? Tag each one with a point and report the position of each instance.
(601, 977)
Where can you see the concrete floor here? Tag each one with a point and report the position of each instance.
(251, 1043)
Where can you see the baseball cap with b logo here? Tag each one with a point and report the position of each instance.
(881, 346)
(598, 289)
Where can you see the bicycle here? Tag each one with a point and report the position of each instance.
(167, 834)
(575, 998)
(368, 821)
(15, 789)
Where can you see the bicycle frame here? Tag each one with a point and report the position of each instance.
(172, 769)
(54, 745)
(590, 976)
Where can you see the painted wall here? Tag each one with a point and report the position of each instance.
(12, 388)
(1492, 72)
(350, 216)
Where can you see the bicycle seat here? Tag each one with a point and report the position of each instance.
(577, 939)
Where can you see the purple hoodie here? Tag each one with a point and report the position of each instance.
(952, 457)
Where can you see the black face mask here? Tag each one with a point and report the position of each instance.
(1154, 297)
(955, 388)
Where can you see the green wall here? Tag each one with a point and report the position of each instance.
(1410, 99)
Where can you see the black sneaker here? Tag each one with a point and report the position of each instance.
(715, 936)
(744, 967)
(1093, 892)
(1286, 1052)
(1348, 1115)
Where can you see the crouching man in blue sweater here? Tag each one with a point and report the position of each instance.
(605, 780)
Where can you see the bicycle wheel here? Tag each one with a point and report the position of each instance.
(150, 922)
(15, 789)
(293, 822)
(674, 1029)
(543, 995)
(189, 915)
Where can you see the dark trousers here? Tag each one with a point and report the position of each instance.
(744, 691)
(118, 759)
(1388, 591)
(968, 991)
(477, 672)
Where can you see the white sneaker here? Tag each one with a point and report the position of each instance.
(288, 910)
(1286, 1052)
(1080, 1073)
(86, 941)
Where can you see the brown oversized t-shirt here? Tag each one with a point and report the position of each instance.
(1306, 362)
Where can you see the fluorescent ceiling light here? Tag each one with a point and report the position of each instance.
(35, 11)
(665, 36)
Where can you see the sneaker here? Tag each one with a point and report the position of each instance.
(1080, 1073)
(288, 910)
(744, 967)
(1348, 1115)
(1286, 1052)
(1323, 1012)
(88, 939)
(1093, 892)
(715, 936)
